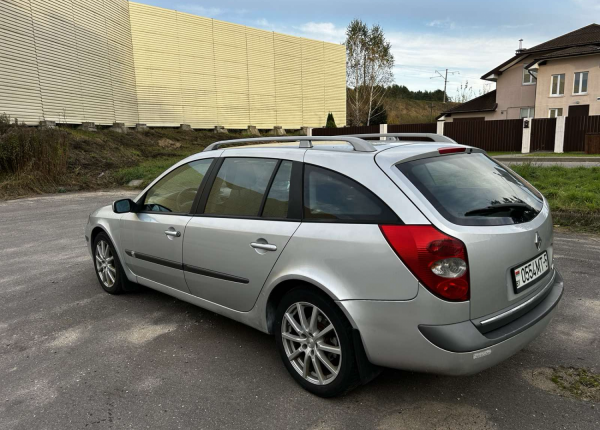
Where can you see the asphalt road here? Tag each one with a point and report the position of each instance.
(72, 356)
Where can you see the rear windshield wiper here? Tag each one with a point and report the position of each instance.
(501, 207)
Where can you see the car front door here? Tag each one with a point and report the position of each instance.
(245, 220)
(153, 237)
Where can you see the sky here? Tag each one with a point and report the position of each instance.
(466, 36)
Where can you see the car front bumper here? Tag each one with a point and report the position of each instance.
(392, 337)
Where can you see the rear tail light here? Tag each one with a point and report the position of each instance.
(437, 260)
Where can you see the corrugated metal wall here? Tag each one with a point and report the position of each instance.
(111, 60)
(67, 61)
(206, 72)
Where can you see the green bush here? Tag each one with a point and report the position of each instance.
(330, 121)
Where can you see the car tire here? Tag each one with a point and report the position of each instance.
(112, 278)
(308, 348)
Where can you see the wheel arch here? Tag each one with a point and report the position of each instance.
(100, 227)
(96, 231)
(283, 287)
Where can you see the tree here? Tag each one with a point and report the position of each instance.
(330, 121)
(379, 115)
(369, 70)
(402, 92)
(464, 93)
(485, 88)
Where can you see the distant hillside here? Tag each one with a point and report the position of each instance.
(403, 111)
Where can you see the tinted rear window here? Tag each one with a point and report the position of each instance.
(472, 189)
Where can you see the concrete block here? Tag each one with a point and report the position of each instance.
(382, 130)
(526, 142)
(278, 130)
(252, 130)
(185, 127)
(119, 127)
(135, 183)
(306, 131)
(220, 129)
(559, 137)
(141, 127)
(88, 126)
(47, 124)
(440, 128)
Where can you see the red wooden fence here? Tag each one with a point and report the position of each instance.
(500, 135)
(576, 128)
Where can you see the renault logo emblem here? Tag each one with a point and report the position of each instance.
(538, 241)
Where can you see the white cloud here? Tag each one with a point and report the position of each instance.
(209, 12)
(516, 26)
(418, 55)
(442, 23)
(326, 31)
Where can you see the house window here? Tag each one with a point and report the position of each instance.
(528, 79)
(580, 83)
(527, 112)
(557, 85)
(555, 112)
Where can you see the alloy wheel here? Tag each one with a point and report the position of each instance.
(311, 343)
(105, 264)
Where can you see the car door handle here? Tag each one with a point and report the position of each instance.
(173, 233)
(264, 246)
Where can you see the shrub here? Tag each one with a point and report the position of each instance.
(330, 121)
(31, 150)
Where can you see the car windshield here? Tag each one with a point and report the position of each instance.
(472, 189)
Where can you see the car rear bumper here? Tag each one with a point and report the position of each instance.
(393, 335)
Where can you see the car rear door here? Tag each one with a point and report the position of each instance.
(473, 198)
(152, 238)
(245, 219)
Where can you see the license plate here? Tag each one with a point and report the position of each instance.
(527, 273)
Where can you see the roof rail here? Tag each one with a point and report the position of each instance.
(434, 137)
(357, 143)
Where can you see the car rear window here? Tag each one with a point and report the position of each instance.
(472, 189)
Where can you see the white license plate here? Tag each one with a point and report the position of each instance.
(525, 274)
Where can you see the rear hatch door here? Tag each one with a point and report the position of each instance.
(504, 222)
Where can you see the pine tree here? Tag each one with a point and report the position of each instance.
(330, 121)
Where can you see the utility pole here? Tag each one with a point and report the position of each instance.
(445, 78)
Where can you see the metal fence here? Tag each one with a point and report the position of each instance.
(576, 127)
(500, 135)
(430, 127)
(543, 133)
(345, 130)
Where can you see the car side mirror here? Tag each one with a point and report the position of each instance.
(124, 206)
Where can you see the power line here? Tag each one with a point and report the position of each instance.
(445, 78)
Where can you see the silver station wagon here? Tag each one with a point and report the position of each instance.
(356, 253)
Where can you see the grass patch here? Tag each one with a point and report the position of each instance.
(498, 153)
(564, 154)
(573, 193)
(147, 171)
(579, 383)
(35, 161)
(542, 154)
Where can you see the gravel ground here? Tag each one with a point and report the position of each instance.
(72, 356)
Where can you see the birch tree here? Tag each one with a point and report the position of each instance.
(369, 71)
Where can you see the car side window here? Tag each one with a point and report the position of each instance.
(330, 196)
(239, 187)
(176, 191)
(278, 199)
